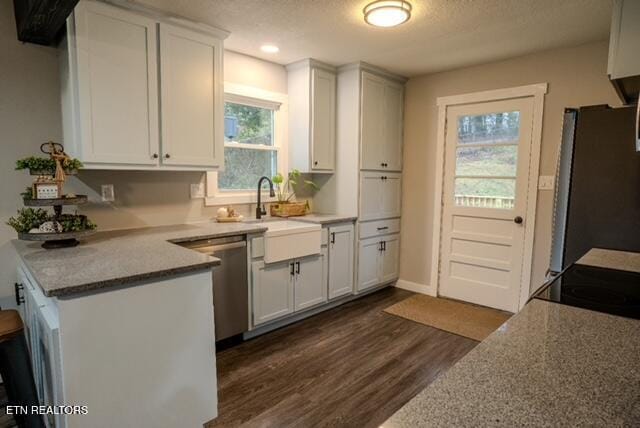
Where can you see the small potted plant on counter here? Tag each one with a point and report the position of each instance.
(285, 192)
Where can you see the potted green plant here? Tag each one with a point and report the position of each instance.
(285, 192)
(47, 166)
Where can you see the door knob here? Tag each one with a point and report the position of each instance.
(517, 220)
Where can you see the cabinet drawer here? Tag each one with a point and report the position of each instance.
(381, 227)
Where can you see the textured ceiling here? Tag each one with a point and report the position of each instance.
(441, 35)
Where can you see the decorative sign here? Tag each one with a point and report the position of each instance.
(46, 190)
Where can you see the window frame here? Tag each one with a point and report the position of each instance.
(251, 96)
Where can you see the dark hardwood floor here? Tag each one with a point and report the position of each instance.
(352, 366)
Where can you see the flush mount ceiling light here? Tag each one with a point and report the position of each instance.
(268, 48)
(387, 13)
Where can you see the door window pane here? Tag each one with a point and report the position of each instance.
(244, 167)
(494, 161)
(491, 128)
(485, 192)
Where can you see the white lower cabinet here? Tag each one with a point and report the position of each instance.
(340, 261)
(272, 290)
(309, 289)
(380, 195)
(378, 261)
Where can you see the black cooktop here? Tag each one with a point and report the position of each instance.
(612, 291)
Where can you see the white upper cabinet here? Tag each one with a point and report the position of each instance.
(117, 86)
(624, 45)
(380, 195)
(191, 97)
(312, 116)
(125, 106)
(381, 122)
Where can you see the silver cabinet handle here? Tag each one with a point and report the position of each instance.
(383, 228)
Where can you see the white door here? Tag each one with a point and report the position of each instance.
(340, 261)
(391, 195)
(272, 290)
(191, 98)
(323, 120)
(369, 263)
(373, 116)
(117, 85)
(390, 258)
(487, 153)
(392, 148)
(370, 195)
(310, 290)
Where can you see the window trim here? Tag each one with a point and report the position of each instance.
(257, 97)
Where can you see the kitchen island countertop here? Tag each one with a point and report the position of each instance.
(549, 365)
(123, 257)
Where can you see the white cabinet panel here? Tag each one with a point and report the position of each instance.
(369, 263)
(372, 121)
(117, 86)
(340, 261)
(310, 290)
(323, 119)
(192, 128)
(380, 195)
(272, 290)
(391, 204)
(393, 121)
(390, 258)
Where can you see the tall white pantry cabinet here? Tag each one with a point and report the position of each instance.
(141, 91)
(368, 174)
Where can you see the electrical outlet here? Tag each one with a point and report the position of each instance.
(197, 190)
(546, 182)
(108, 194)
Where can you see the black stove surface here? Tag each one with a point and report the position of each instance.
(604, 290)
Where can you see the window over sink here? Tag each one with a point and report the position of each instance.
(254, 144)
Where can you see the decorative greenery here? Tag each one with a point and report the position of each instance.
(28, 193)
(285, 190)
(27, 219)
(34, 163)
(75, 223)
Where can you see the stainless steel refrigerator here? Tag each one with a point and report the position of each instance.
(597, 184)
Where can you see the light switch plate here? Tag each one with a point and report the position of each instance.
(546, 182)
(197, 190)
(108, 194)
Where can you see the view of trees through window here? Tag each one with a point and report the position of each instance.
(247, 126)
(487, 147)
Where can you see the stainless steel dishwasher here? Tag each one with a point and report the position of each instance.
(230, 285)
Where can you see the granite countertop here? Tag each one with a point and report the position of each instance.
(550, 365)
(324, 218)
(123, 257)
(611, 259)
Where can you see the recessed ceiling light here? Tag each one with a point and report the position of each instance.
(387, 13)
(269, 48)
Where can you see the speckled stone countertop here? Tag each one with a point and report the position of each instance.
(123, 257)
(550, 365)
(324, 218)
(611, 259)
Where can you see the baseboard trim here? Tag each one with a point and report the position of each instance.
(417, 287)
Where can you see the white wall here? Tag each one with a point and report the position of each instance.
(30, 115)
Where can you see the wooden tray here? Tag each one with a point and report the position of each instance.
(56, 240)
(229, 219)
(76, 200)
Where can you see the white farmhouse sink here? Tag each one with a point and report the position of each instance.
(289, 239)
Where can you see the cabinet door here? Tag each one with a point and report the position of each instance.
(117, 85)
(272, 290)
(371, 186)
(392, 148)
(372, 121)
(391, 195)
(323, 120)
(390, 258)
(340, 261)
(310, 290)
(191, 98)
(369, 263)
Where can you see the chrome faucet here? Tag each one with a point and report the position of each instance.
(260, 210)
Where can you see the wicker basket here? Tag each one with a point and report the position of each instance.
(288, 209)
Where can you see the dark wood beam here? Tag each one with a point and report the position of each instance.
(39, 21)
